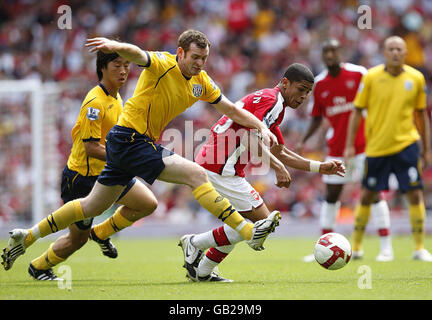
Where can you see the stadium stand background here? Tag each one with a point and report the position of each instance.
(252, 43)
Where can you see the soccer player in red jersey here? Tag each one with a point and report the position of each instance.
(226, 154)
(333, 95)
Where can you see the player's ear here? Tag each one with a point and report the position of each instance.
(285, 83)
(180, 52)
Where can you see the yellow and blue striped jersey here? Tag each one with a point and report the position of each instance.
(390, 102)
(162, 93)
(99, 113)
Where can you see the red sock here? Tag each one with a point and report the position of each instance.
(384, 232)
(215, 255)
(220, 237)
(324, 231)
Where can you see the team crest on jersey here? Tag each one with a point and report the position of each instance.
(350, 84)
(197, 90)
(408, 84)
(92, 113)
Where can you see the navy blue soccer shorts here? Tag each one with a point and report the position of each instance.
(130, 154)
(75, 186)
(405, 165)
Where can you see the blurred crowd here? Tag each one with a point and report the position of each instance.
(252, 43)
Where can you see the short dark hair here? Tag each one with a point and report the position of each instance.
(330, 43)
(299, 72)
(193, 36)
(102, 60)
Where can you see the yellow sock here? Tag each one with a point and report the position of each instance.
(47, 260)
(417, 217)
(58, 220)
(30, 239)
(221, 208)
(362, 214)
(112, 225)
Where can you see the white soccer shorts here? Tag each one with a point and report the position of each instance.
(237, 190)
(354, 170)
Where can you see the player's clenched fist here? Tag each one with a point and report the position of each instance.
(332, 167)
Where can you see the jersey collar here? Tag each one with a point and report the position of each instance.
(105, 90)
(280, 95)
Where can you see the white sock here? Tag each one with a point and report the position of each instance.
(381, 215)
(204, 240)
(222, 236)
(328, 214)
(35, 231)
(212, 259)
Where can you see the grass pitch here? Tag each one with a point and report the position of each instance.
(151, 270)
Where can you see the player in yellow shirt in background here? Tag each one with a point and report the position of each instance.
(168, 85)
(394, 95)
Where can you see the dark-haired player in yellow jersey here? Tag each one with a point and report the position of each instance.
(394, 95)
(99, 112)
(168, 85)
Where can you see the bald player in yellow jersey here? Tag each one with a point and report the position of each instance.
(168, 85)
(100, 111)
(394, 95)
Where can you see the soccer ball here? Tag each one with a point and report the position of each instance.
(332, 251)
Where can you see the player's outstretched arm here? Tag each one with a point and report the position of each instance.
(293, 160)
(353, 125)
(256, 148)
(127, 51)
(246, 119)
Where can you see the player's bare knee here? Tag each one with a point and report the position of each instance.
(91, 208)
(80, 241)
(415, 197)
(75, 241)
(367, 197)
(152, 205)
(199, 177)
(148, 207)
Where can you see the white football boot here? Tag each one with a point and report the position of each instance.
(357, 255)
(261, 230)
(192, 256)
(213, 277)
(385, 256)
(15, 247)
(422, 255)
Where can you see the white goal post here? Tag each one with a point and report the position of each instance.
(37, 96)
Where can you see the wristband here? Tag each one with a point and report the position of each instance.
(314, 166)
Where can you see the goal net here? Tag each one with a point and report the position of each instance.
(30, 157)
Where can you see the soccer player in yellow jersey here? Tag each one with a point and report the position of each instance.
(99, 112)
(394, 95)
(168, 85)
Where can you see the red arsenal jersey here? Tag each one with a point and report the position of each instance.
(223, 152)
(333, 98)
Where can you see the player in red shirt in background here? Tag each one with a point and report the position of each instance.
(333, 95)
(228, 151)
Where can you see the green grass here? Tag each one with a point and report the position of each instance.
(151, 269)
